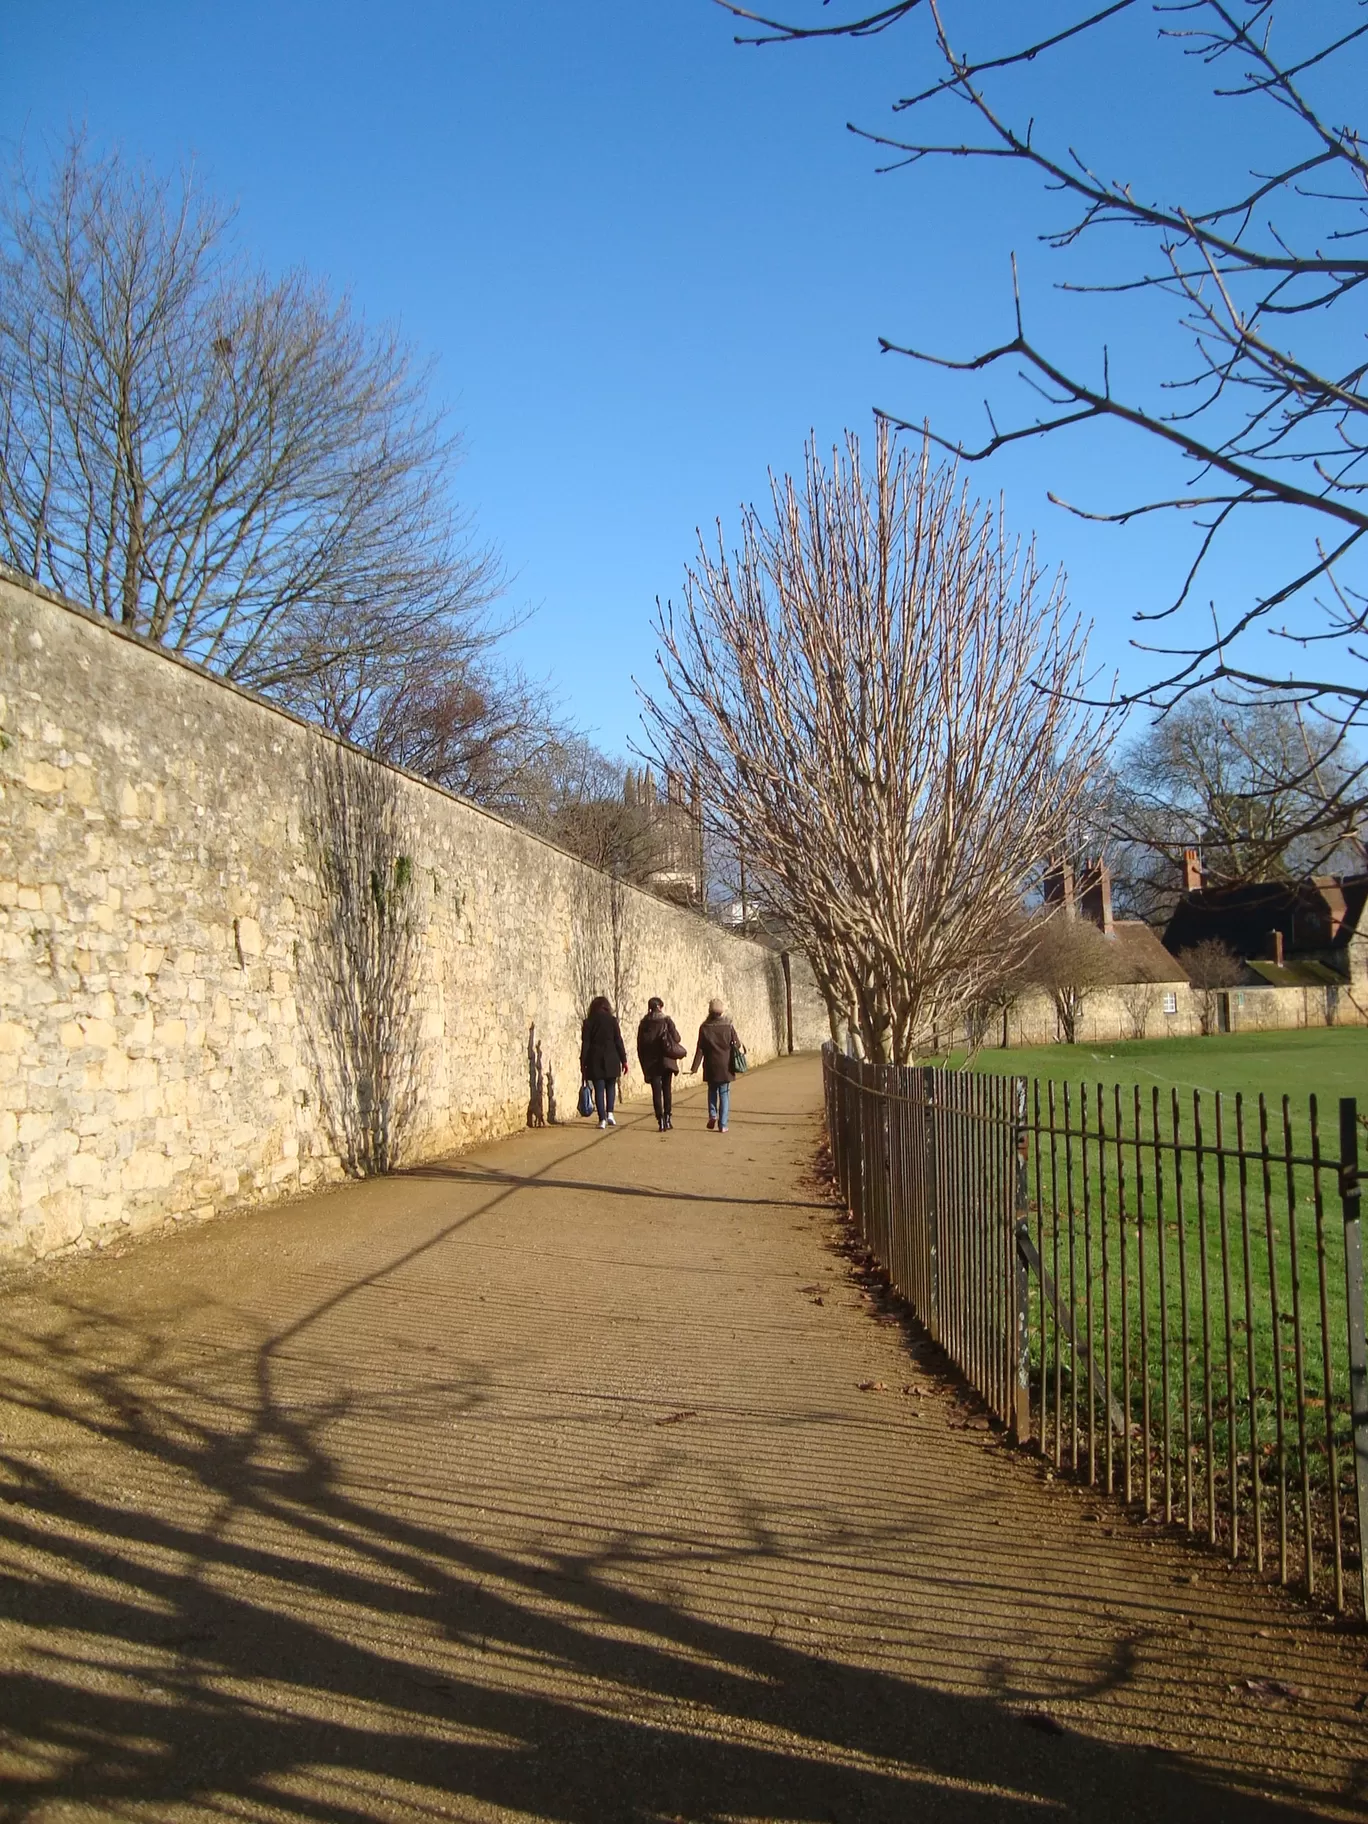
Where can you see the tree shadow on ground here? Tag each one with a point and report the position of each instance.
(219, 1600)
(458, 1173)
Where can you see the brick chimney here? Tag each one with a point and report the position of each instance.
(1058, 887)
(1095, 897)
(1192, 871)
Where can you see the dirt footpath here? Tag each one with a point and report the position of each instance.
(541, 1485)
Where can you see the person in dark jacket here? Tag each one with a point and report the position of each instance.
(603, 1056)
(716, 1036)
(659, 1049)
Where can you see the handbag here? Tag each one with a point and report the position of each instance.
(676, 1052)
(738, 1058)
(586, 1099)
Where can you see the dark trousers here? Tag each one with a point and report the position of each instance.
(662, 1095)
(605, 1095)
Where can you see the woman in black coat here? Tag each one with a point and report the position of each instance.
(659, 1049)
(603, 1056)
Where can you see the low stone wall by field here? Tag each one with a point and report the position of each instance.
(1171, 1010)
(188, 998)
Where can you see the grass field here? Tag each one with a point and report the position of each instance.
(1325, 1062)
(1234, 1253)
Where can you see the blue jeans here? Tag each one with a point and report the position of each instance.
(719, 1102)
(605, 1095)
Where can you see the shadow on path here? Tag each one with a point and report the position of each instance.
(304, 1576)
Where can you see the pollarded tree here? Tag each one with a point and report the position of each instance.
(1236, 283)
(878, 694)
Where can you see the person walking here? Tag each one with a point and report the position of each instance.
(716, 1039)
(603, 1056)
(659, 1049)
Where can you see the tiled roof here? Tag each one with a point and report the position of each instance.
(1299, 973)
(1141, 957)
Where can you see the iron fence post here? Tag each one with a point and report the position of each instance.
(1351, 1203)
(1020, 1267)
(933, 1202)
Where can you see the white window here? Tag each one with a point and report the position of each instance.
(1170, 1001)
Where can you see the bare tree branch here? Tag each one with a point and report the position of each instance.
(1284, 421)
(232, 465)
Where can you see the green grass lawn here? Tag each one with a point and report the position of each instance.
(1325, 1062)
(1239, 1268)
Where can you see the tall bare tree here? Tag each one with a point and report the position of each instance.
(233, 465)
(1257, 274)
(585, 800)
(875, 688)
(438, 705)
(1238, 778)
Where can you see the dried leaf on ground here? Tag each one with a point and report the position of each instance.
(1272, 1690)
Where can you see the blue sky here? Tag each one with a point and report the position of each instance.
(646, 260)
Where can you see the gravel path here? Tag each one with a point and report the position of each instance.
(541, 1485)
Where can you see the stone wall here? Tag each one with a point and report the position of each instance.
(1143, 1011)
(186, 991)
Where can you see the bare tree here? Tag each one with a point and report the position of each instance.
(589, 803)
(1227, 776)
(436, 706)
(603, 941)
(1070, 959)
(875, 689)
(1137, 998)
(1211, 968)
(1259, 275)
(1005, 986)
(232, 465)
(622, 946)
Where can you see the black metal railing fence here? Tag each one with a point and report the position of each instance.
(1162, 1293)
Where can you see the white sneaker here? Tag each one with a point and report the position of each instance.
(611, 1122)
(602, 1126)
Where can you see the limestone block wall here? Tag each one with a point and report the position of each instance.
(1112, 1014)
(180, 1015)
(1107, 1014)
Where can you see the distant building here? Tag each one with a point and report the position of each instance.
(1085, 891)
(1283, 933)
(1304, 940)
(1301, 950)
(673, 834)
